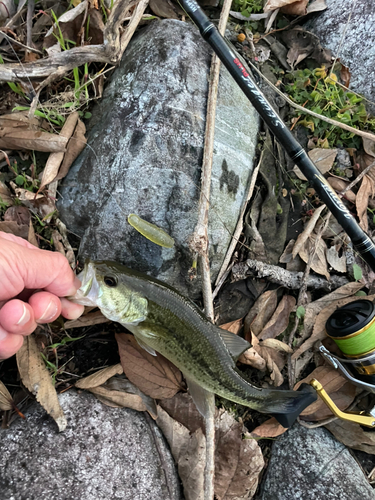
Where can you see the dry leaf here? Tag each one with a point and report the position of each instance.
(353, 436)
(6, 400)
(238, 460)
(316, 6)
(323, 158)
(287, 255)
(331, 302)
(338, 263)
(295, 9)
(31, 139)
(118, 399)
(340, 390)
(182, 408)
(163, 8)
(277, 345)
(5, 195)
(252, 357)
(233, 326)
(122, 384)
(260, 313)
(309, 228)
(319, 261)
(345, 76)
(275, 362)
(277, 4)
(365, 191)
(99, 377)
(75, 146)
(269, 429)
(339, 185)
(54, 160)
(20, 215)
(94, 318)
(19, 120)
(280, 319)
(189, 452)
(368, 146)
(12, 227)
(154, 375)
(37, 379)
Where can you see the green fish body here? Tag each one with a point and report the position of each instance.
(164, 321)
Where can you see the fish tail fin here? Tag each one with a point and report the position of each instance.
(307, 396)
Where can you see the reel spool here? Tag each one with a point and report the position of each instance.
(352, 328)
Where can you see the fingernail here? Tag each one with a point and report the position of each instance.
(49, 313)
(25, 318)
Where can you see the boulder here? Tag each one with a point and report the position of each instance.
(311, 464)
(352, 40)
(105, 453)
(144, 156)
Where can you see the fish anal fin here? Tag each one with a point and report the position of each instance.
(203, 399)
(144, 346)
(236, 345)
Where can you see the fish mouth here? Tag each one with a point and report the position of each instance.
(90, 291)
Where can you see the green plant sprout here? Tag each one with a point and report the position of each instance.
(54, 367)
(247, 7)
(318, 92)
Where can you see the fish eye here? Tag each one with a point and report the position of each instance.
(110, 281)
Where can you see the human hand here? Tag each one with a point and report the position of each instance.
(25, 267)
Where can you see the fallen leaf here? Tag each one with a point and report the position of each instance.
(36, 140)
(287, 255)
(368, 146)
(55, 159)
(238, 460)
(319, 322)
(182, 408)
(339, 389)
(297, 8)
(252, 358)
(99, 377)
(37, 379)
(309, 228)
(338, 263)
(94, 318)
(122, 384)
(189, 452)
(339, 185)
(345, 76)
(154, 375)
(365, 191)
(233, 326)
(316, 6)
(5, 195)
(275, 362)
(6, 400)
(277, 4)
(163, 8)
(319, 261)
(12, 227)
(279, 320)
(21, 119)
(260, 313)
(75, 146)
(69, 25)
(269, 429)
(353, 435)
(20, 215)
(118, 399)
(277, 345)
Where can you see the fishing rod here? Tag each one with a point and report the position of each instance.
(361, 241)
(352, 327)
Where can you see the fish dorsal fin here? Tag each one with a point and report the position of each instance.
(144, 346)
(236, 345)
(202, 398)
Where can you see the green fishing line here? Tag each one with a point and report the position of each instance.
(358, 343)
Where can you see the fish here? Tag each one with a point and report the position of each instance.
(164, 321)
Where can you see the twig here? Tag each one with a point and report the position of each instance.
(209, 471)
(19, 44)
(239, 227)
(109, 52)
(29, 21)
(357, 179)
(222, 279)
(199, 239)
(280, 276)
(366, 135)
(317, 424)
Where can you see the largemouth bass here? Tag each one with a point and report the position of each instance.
(164, 321)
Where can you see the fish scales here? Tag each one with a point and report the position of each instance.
(165, 321)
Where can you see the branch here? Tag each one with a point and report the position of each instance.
(287, 279)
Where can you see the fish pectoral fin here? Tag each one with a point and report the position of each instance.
(236, 345)
(144, 346)
(204, 400)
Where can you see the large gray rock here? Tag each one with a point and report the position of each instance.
(144, 155)
(357, 50)
(104, 454)
(309, 464)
